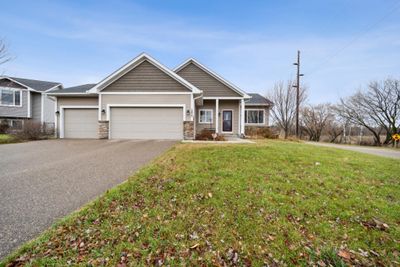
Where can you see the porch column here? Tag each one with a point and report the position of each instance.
(242, 116)
(216, 115)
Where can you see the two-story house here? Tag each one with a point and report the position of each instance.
(26, 99)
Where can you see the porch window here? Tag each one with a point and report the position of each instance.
(10, 97)
(254, 116)
(205, 116)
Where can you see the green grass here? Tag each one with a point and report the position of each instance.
(274, 202)
(7, 139)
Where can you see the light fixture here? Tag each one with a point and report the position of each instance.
(57, 112)
(103, 111)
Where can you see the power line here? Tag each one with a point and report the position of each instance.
(358, 36)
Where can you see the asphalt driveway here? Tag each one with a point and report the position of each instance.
(46, 180)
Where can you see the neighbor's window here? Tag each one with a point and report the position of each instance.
(10, 97)
(16, 124)
(254, 116)
(205, 116)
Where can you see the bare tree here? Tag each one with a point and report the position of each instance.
(334, 126)
(383, 98)
(284, 111)
(4, 56)
(314, 119)
(377, 108)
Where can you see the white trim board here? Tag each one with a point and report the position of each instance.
(109, 106)
(213, 74)
(62, 115)
(134, 63)
(212, 115)
(223, 98)
(145, 93)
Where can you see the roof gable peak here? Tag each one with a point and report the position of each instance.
(136, 62)
(213, 74)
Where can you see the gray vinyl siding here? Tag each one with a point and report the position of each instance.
(144, 99)
(36, 100)
(211, 86)
(48, 109)
(16, 112)
(266, 114)
(146, 77)
(223, 105)
(207, 104)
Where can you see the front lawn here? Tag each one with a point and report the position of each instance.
(270, 203)
(6, 139)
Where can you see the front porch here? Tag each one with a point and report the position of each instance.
(222, 116)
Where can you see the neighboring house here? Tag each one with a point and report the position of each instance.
(25, 99)
(145, 100)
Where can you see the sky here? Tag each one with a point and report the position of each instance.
(344, 44)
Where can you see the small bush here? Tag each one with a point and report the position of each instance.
(260, 132)
(31, 131)
(207, 135)
(4, 126)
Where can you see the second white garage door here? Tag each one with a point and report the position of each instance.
(146, 123)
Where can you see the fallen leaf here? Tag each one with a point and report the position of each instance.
(195, 246)
(344, 254)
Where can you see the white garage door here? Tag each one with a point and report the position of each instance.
(80, 123)
(146, 123)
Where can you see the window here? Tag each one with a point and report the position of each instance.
(10, 97)
(16, 124)
(205, 116)
(254, 116)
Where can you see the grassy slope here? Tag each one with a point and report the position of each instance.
(272, 202)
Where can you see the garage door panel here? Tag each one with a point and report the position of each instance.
(146, 123)
(80, 123)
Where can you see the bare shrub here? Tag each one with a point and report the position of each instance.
(207, 135)
(4, 126)
(260, 132)
(31, 131)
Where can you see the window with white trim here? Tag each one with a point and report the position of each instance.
(254, 116)
(205, 116)
(10, 97)
(16, 124)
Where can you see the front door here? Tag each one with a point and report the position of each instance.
(227, 121)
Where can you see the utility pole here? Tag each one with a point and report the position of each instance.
(297, 92)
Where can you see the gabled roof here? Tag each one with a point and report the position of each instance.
(74, 90)
(35, 85)
(135, 62)
(213, 74)
(258, 100)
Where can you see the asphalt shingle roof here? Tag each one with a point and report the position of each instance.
(257, 99)
(75, 89)
(36, 84)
